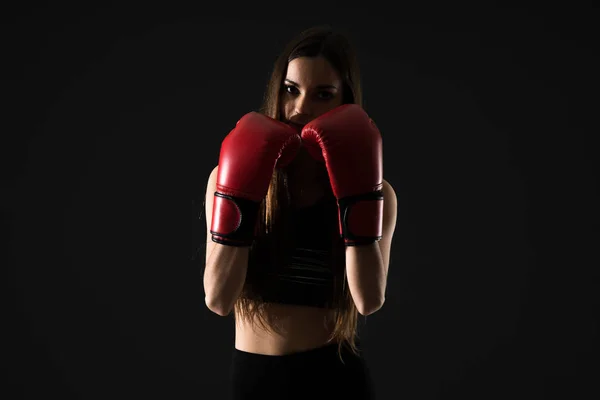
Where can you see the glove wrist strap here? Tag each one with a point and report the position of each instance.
(361, 217)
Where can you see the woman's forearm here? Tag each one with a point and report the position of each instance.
(224, 277)
(367, 277)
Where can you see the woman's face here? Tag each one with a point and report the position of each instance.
(312, 87)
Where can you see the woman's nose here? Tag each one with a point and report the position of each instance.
(303, 106)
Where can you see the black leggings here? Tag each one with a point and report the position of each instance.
(313, 374)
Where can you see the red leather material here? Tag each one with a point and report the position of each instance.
(250, 153)
(227, 216)
(350, 144)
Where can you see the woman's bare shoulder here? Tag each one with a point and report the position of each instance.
(387, 186)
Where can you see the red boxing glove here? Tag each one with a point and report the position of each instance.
(249, 154)
(350, 144)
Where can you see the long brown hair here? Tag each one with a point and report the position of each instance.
(274, 212)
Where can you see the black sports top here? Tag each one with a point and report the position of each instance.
(307, 277)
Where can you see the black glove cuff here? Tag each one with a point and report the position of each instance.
(345, 207)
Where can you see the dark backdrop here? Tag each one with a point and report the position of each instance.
(112, 121)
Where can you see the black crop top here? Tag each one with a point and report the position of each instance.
(308, 277)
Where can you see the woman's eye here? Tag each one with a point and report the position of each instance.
(324, 95)
(290, 89)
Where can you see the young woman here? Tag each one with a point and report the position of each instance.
(301, 222)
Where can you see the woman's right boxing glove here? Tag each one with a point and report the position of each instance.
(249, 153)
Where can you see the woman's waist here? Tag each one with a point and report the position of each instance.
(291, 328)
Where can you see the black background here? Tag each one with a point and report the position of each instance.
(112, 121)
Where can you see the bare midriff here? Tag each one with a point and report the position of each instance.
(302, 328)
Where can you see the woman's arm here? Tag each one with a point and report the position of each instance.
(224, 277)
(226, 266)
(367, 266)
